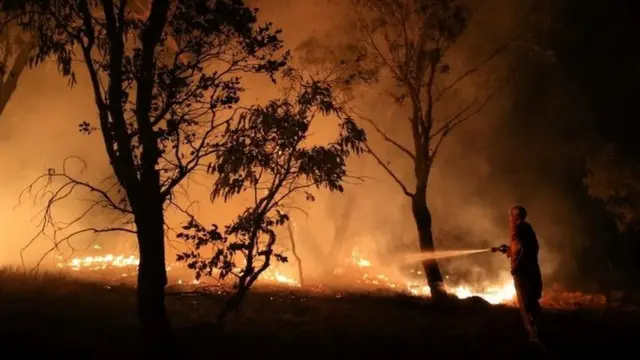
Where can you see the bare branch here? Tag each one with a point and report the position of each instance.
(476, 68)
(372, 43)
(389, 171)
(459, 118)
(58, 187)
(388, 139)
(66, 239)
(198, 154)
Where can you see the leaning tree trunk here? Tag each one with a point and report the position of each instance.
(423, 220)
(294, 251)
(9, 83)
(341, 231)
(152, 273)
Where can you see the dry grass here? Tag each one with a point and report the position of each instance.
(64, 317)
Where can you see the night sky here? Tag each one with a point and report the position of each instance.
(590, 94)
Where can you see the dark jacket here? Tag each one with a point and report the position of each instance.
(524, 259)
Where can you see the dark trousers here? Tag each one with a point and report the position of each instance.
(529, 294)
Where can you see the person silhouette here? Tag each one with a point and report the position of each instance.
(523, 254)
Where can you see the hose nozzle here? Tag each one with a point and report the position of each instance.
(502, 248)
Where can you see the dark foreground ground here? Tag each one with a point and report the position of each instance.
(63, 318)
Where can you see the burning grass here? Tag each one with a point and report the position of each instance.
(70, 318)
(557, 297)
(358, 271)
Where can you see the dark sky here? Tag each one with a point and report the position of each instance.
(597, 49)
(586, 98)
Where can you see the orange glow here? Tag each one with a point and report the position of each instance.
(498, 293)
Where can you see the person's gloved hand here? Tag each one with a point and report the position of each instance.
(502, 249)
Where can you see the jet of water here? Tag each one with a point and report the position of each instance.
(432, 255)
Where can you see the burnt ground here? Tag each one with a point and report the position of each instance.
(64, 318)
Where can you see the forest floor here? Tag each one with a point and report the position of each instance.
(60, 317)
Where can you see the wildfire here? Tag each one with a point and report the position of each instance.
(127, 264)
(359, 260)
(494, 293)
(101, 262)
(278, 277)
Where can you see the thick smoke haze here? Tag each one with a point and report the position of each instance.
(480, 172)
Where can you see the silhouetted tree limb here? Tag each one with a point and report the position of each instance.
(264, 154)
(472, 70)
(389, 171)
(15, 49)
(386, 137)
(459, 118)
(294, 250)
(165, 85)
(54, 188)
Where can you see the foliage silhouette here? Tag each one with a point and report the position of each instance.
(268, 152)
(615, 179)
(165, 86)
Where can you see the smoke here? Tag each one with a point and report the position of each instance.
(480, 172)
(38, 130)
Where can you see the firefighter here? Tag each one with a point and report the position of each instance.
(523, 253)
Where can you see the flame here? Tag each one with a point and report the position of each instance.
(359, 260)
(101, 262)
(492, 293)
(280, 278)
(131, 262)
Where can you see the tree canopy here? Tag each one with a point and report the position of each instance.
(406, 49)
(267, 153)
(615, 179)
(167, 85)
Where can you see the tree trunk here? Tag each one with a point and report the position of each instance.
(10, 83)
(232, 304)
(422, 216)
(294, 251)
(152, 274)
(340, 234)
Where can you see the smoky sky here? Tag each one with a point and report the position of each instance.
(525, 147)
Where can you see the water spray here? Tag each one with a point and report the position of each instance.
(442, 254)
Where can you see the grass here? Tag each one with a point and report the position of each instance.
(66, 318)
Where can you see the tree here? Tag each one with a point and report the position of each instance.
(267, 152)
(160, 107)
(410, 42)
(294, 248)
(15, 50)
(615, 179)
(341, 230)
